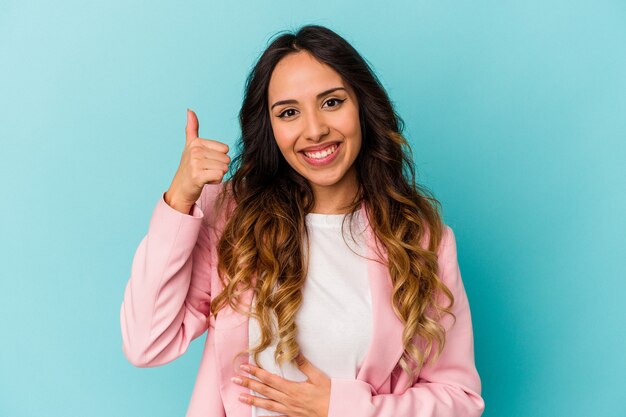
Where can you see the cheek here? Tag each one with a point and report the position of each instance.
(352, 124)
(283, 141)
(355, 133)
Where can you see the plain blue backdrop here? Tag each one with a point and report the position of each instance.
(516, 112)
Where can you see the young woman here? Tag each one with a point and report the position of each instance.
(319, 265)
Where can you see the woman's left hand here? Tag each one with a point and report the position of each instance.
(290, 398)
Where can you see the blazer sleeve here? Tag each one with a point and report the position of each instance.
(450, 387)
(167, 297)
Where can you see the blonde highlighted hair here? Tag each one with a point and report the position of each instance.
(261, 247)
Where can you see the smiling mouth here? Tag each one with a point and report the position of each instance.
(323, 153)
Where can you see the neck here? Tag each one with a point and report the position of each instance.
(335, 199)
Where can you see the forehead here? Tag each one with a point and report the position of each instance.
(301, 75)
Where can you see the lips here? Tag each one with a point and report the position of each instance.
(314, 149)
(323, 153)
(323, 160)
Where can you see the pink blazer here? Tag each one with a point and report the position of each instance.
(166, 302)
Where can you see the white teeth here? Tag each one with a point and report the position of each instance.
(323, 154)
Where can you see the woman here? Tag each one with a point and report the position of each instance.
(376, 325)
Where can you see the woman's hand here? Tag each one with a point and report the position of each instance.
(290, 398)
(204, 161)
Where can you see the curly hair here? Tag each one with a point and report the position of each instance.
(261, 246)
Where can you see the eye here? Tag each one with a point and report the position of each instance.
(282, 114)
(335, 100)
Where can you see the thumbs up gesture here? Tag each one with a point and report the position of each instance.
(204, 161)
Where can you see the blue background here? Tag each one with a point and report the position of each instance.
(516, 112)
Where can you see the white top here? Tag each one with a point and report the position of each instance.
(335, 318)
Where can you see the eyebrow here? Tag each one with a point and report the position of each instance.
(292, 101)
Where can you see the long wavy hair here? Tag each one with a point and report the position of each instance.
(261, 248)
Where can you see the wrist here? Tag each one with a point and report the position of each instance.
(177, 204)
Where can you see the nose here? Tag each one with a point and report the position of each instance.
(315, 127)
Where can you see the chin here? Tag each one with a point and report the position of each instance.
(322, 182)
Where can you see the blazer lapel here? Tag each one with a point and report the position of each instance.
(231, 337)
(386, 348)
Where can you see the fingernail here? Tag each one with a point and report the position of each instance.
(245, 368)
(236, 380)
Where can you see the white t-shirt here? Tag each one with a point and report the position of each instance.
(335, 318)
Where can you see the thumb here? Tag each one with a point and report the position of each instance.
(191, 130)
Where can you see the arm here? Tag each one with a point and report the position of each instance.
(167, 297)
(448, 388)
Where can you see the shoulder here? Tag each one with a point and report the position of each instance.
(449, 270)
(209, 194)
(446, 253)
(448, 241)
(214, 209)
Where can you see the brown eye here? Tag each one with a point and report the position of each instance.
(335, 100)
(282, 115)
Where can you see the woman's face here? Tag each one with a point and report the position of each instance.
(315, 119)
